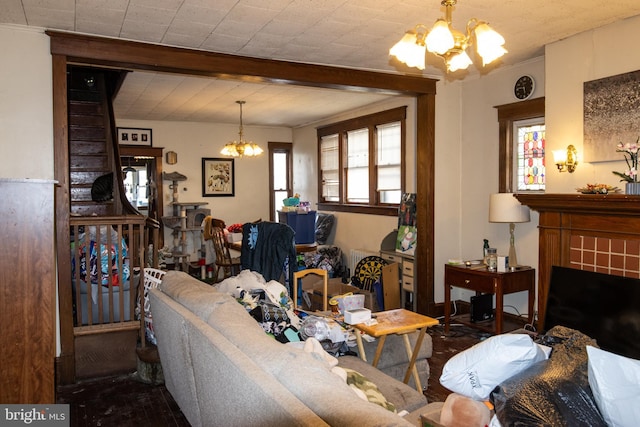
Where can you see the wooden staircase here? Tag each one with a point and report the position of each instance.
(93, 151)
(106, 335)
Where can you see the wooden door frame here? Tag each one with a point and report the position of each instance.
(70, 48)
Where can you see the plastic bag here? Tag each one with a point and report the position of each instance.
(476, 371)
(324, 226)
(615, 384)
(553, 392)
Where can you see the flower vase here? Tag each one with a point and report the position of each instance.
(632, 188)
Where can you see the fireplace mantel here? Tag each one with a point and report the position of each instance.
(602, 204)
(594, 232)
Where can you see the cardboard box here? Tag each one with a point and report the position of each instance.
(312, 286)
(430, 417)
(234, 237)
(359, 315)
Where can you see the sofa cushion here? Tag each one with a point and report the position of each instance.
(401, 395)
(195, 295)
(307, 375)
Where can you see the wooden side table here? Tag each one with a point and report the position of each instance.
(483, 281)
(401, 322)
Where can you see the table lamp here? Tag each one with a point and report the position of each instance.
(503, 207)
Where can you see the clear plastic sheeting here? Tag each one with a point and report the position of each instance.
(553, 392)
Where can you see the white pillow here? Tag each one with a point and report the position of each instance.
(615, 384)
(476, 371)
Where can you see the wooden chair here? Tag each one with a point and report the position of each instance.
(302, 273)
(230, 266)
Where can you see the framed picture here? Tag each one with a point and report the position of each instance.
(218, 177)
(610, 115)
(134, 136)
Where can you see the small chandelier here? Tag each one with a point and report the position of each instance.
(241, 147)
(449, 44)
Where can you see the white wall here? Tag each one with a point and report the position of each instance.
(26, 104)
(477, 167)
(588, 56)
(193, 141)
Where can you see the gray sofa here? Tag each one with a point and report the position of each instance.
(222, 369)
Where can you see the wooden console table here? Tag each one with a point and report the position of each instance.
(483, 281)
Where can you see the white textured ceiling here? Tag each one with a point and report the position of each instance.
(346, 33)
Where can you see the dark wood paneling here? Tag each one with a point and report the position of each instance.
(27, 292)
(425, 200)
(142, 56)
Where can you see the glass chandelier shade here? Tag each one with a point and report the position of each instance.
(241, 148)
(449, 44)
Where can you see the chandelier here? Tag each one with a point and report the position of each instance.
(448, 43)
(241, 147)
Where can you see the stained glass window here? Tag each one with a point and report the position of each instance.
(530, 165)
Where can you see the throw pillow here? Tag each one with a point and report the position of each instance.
(363, 386)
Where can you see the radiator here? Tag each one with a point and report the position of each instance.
(357, 255)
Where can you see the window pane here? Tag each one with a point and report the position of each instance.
(279, 171)
(388, 178)
(358, 166)
(390, 196)
(389, 144)
(279, 197)
(530, 165)
(389, 160)
(362, 163)
(329, 164)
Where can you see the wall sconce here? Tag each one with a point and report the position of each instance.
(172, 157)
(566, 161)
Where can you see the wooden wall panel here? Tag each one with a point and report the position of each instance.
(27, 292)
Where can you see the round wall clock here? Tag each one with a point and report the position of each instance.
(524, 87)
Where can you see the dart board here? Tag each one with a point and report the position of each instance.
(368, 271)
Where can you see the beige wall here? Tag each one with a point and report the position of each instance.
(193, 141)
(26, 104)
(588, 56)
(463, 206)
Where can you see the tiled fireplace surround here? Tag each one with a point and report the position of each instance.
(589, 232)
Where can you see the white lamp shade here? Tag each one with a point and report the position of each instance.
(489, 43)
(460, 61)
(503, 207)
(440, 40)
(409, 51)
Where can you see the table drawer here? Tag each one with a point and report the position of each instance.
(391, 258)
(476, 282)
(407, 268)
(407, 283)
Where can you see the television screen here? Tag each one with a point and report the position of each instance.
(602, 306)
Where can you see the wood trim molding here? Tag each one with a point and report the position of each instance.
(69, 48)
(145, 56)
(507, 115)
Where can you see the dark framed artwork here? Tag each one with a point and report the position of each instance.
(134, 136)
(218, 177)
(611, 115)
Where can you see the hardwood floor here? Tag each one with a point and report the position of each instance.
(124, 401)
